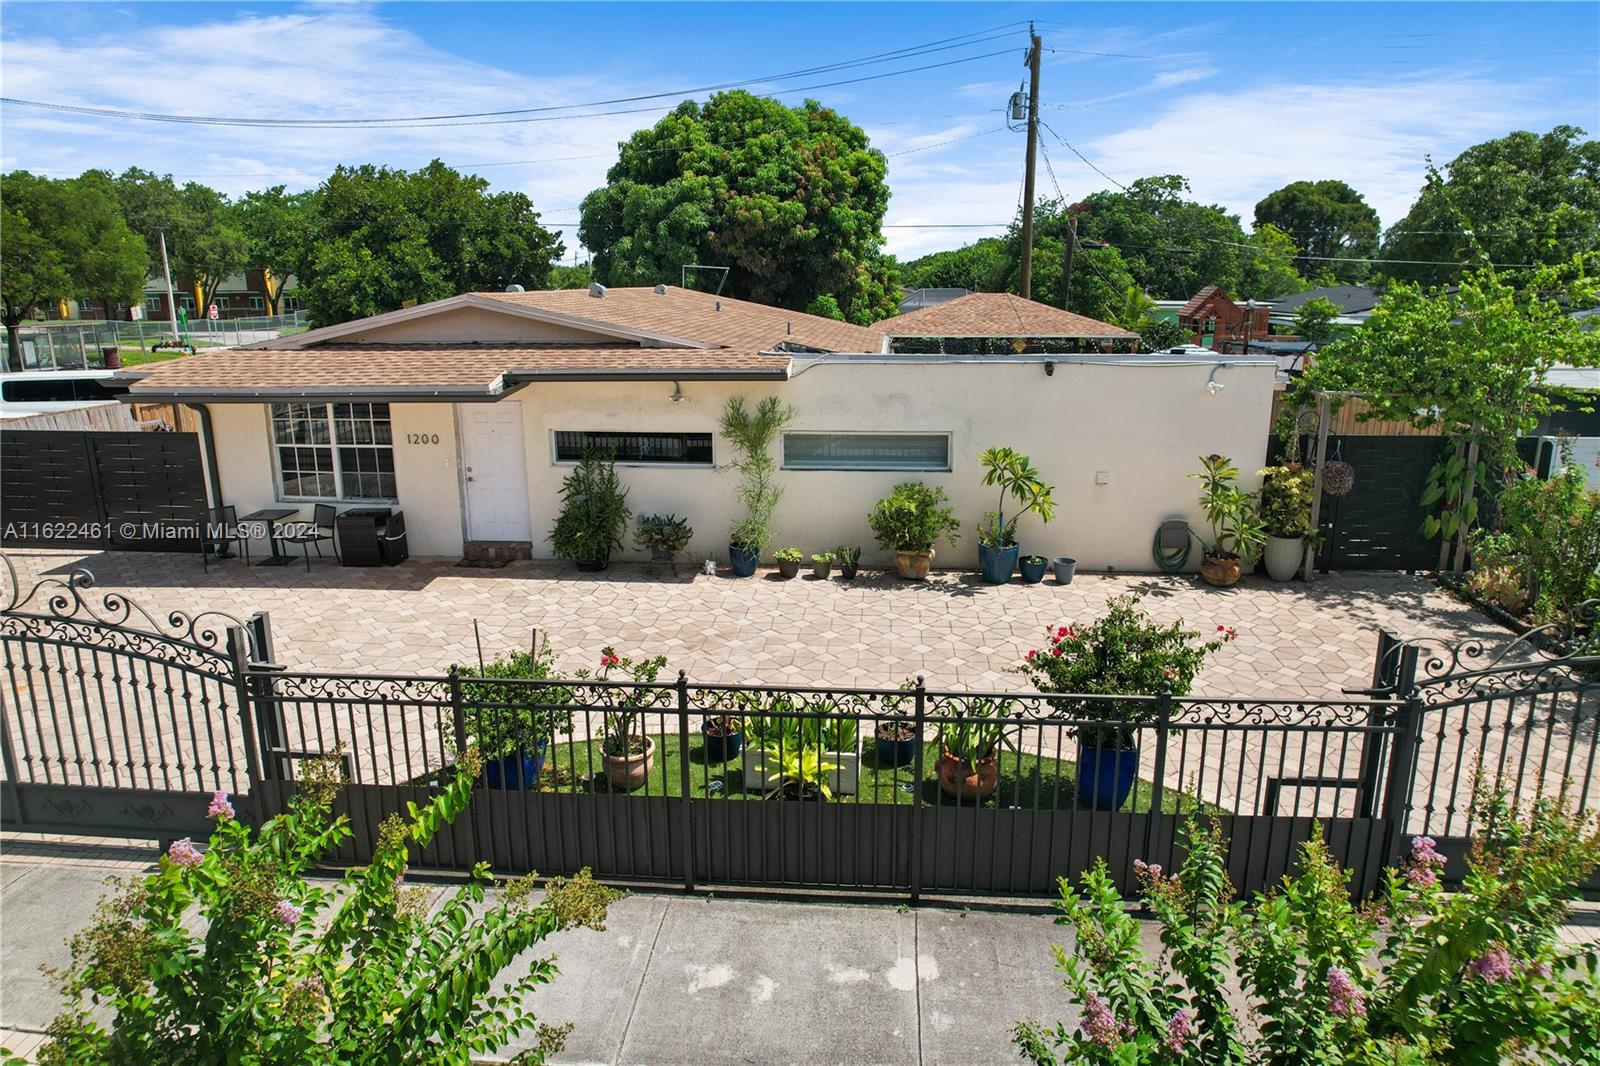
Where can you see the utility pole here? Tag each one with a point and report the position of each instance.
(172, 300)
(1025, 283)
(1066, 257)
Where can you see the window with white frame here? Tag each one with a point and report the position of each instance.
(334, 451)
(257, 303)
(152, 304)
(86, 306)
(866, 451)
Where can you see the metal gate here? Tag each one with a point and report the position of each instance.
(120, 491)
(114, 722)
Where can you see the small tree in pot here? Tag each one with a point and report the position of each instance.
(1016, 477)
(752, 434)
(594, 513)
(1125, 653)
(627, 753)
(1286, 517)
(1236, 529)
(511, 722)
(909, 520)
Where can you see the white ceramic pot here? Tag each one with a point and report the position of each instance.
(1284, 556)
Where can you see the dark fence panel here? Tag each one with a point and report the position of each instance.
(123, 491)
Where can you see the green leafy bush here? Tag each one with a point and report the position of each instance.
(505, 718)
(1285, 500)
(594, 512)
(1236, 528)
(752, 434)
(1124, 653)
(666, 535)
(913, 517)
(788, 555)
(1552, 531)
(1423, 976)
(286, 971)
(1015, 475)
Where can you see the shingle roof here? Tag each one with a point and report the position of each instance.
(996, 314)
(1348, 297)
(1196, 302)
(687, 313)
(463, 370)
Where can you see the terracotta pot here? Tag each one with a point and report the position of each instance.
(1220, 570)
(913, 565)
(627, 772)
(959, 779)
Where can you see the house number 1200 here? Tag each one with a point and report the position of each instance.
(422, 438)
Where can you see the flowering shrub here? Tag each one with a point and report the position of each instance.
(286, 971)
(1421, 976)
(1123, 654)
(622, 725)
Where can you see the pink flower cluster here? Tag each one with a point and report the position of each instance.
(220, 807)
(183, 853)
(1424, 863)
(1180, 1027)
(1493, 965)
(610, 659)
(1101, 1026)
(287, 912)
(1228, 633)
(1344, 998)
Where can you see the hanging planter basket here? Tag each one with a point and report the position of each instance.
(1338, 477)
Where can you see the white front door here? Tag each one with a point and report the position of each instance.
(494, 465)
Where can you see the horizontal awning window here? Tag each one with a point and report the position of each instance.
(866, 451)
(680, 448)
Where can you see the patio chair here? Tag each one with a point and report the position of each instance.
(222, 529)
(320, 529)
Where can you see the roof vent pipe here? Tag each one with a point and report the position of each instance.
(661, 290)
(788, 328)
(515, 288)
(597, 290)
(719, 305)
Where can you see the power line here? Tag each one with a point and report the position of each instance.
(500, 117)
(1081, 156)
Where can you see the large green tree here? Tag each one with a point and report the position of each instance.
(1267, 267)
(790, 199)
(204, 243)
(1173, 246)
(976, 266)
(63, 239)
(1526, 197)
(1332, 224)
(274, 224)
(376, 237)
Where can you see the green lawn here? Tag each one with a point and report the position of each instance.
(1026, 781)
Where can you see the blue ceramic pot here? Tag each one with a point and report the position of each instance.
(744, 560)
(519, 770)
(1106, 775)
(721, 747)
(1033, 568)
(893, 753)
(997, 564)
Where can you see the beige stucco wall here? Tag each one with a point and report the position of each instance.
(467, 325)
(429, 486)
(1145, 425)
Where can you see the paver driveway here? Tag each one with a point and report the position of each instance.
(1294, 641)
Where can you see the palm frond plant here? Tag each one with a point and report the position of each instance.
(969, 747)
(594, 513)
(752, 434)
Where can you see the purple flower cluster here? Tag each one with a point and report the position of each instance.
(183, 853)
(1344, 998)
(1101, 1026)
(287, 912)
(1493, 965)
(220, 807)
(1180, 1027)
(1424, 863)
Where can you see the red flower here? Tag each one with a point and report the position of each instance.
(1033, 653)
(1062, 631)
(610, 660)
(1056, 651)
(1232, 632)
(1221, 628)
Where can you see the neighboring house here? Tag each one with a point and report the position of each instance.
(1216, 321)
(468, 412)
(917, 299)
(65, 399)
(240, 296)
(1355, 303)
(999, 323)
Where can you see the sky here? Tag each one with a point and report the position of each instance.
(1240, 98)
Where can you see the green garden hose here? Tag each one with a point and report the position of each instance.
(1172, 560)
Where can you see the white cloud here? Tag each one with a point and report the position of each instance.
(1235, 147)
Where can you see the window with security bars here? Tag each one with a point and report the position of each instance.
(687, 449)
(866, 451)
(334, 451)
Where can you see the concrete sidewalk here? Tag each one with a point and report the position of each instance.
(674, 980)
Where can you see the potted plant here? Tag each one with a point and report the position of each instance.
(896, 736)
(969, 749)
(909, 520)
(1125, 653)
(724, 737)
(663, 536)
(800, 773)
(752, 433)
(1016, 477)
(1236, 528)
(849, 560)
(1286, 518)
(594, 513)
(787, 729)
(1033, 568)
(822, 565)
(627, 754)
(511, 723)
(788, 560)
